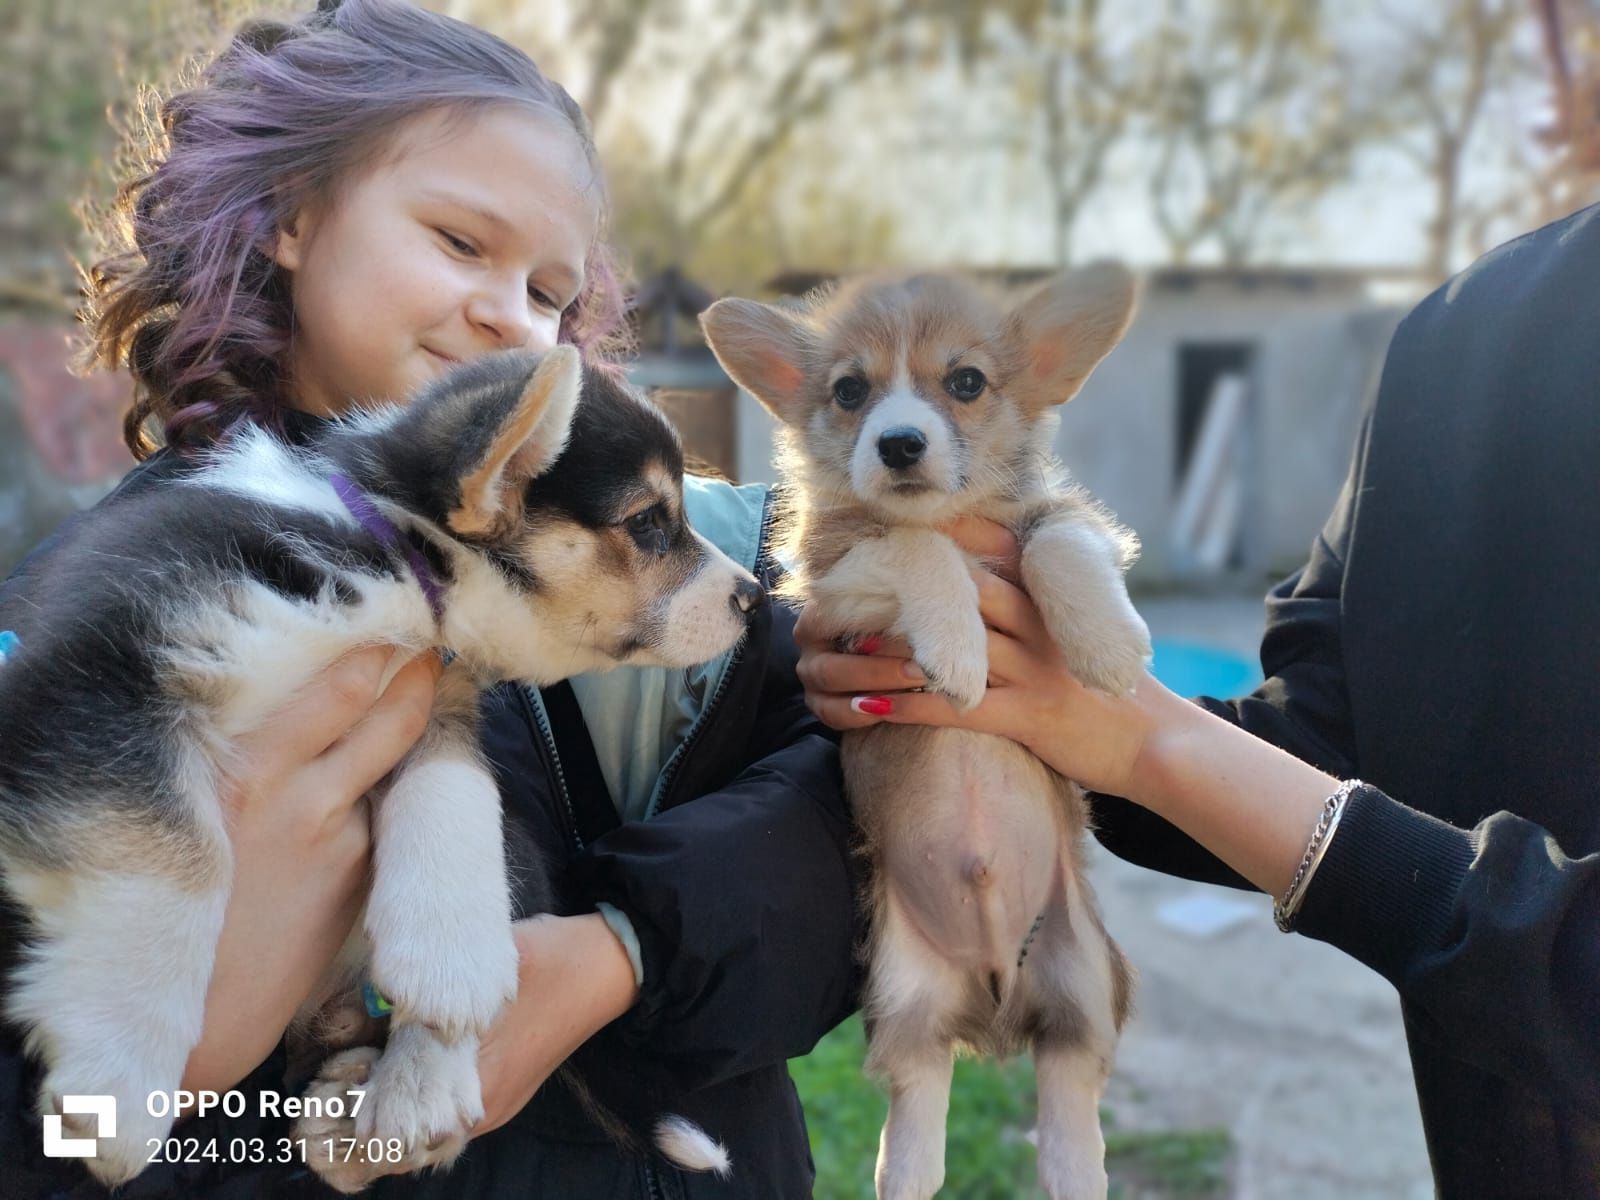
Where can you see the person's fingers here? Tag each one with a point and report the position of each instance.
(370, 750)
(809, 631)
(837, 713)
(925, 708)
(320, 713)
(993, 543)
(855, 673)
(1010, 661)
(1006, 607)
(885, 646)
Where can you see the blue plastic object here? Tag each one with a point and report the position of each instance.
(1191, 669)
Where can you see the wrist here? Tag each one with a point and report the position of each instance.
(577, 954)
(1167, 735)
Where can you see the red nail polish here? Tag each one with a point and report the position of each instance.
(869, 644)
(874, 706)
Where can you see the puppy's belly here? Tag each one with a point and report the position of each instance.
(967, 832)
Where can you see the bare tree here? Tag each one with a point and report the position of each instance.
(1571, 42)
(1249, 116)
(1442, 66)
(701, 98)
(1087, 108)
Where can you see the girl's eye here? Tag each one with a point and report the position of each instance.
(457, 244)
(849, 391)
(966, 384)
(543, 299)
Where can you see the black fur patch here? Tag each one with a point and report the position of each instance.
(615, 441)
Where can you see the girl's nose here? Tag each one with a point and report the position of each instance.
(501, 309)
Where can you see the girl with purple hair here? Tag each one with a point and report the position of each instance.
(340, 208)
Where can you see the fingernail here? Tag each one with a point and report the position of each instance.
(869, 644)
(872, 706)
(912, 672)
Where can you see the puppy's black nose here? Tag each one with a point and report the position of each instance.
(748, 595)
(901, 447)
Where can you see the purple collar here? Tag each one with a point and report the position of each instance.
(385, 530)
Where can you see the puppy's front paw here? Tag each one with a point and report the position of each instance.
(332, 1148)
(400, 1111)
(1116, 661)
(457, 986)
(956, 662)
(424, 1091)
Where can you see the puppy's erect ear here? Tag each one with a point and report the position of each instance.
(763, 349)
(1062, 331)
(529, 439)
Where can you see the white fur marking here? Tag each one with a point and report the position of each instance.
(439, 914)
(903, 408)
(690, 1147)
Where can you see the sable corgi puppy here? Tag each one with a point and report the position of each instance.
(904, 402)
(496, 516)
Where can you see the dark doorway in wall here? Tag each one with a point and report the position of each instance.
(1200, 365)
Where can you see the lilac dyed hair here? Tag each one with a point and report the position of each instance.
(187, 294)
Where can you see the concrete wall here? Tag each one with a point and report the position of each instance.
(1314, 358)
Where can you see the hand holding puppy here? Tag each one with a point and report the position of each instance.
(300, 834)
(1033, 699)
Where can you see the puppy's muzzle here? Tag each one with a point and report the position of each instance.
(901, 447)
(748, 595)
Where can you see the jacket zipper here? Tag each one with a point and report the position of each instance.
(670, 772)
(535, 709)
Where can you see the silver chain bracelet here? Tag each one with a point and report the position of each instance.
(1285, 910)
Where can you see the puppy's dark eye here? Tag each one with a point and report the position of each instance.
(649, 529)
(966, 384)
(849, 391)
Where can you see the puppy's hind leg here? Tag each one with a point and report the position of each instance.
(113, 995)
(911, 1148)
(909, 995)
(1083, 987)
(1072, 1151)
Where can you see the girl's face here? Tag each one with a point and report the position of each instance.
(469, 236)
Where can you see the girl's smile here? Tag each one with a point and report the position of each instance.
(469, 236)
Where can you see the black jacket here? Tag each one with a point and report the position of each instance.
(742, 896)
(1443, 643)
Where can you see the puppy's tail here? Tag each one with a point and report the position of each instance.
(684, 1143)
(677, 1139)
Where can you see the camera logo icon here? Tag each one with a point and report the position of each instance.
(104, 1109)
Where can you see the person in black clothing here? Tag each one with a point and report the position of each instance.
(1441, 643)
(346, 204)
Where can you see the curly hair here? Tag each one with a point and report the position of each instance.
(187, 295)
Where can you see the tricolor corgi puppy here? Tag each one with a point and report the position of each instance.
(496, 516)
(905, 402)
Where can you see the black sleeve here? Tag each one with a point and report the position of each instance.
(1490, 936)
(743, 900)
(1301, 707)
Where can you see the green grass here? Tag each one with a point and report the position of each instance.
(987, 1155)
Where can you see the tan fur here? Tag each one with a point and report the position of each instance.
(984, 932)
